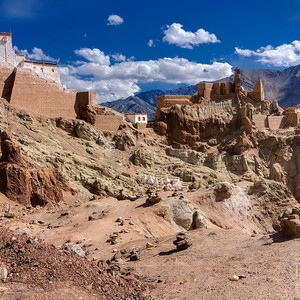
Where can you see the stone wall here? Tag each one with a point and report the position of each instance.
(275, 122)
(108, 122)
(208, 90)
(271, 122)
(260, 121)
(40, 96)
(258, 92)
(292, 116)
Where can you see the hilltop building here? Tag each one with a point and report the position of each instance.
(8, 58)
(138, 120)
(36, 87)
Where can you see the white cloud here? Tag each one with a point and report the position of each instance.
(94, 56)
(121, 79)
(115, 20)
(285, 55)
(174, 34)
(36, 54)
(151, 43)
(119, 57)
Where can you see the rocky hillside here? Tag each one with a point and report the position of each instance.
(282, 85)
(123, 197)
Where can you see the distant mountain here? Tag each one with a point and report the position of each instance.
(145, 102)
(282, 85)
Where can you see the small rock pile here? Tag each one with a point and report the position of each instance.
(182, 242)
(135, 254)
(290, 222)
(113, 238)
(153, 197)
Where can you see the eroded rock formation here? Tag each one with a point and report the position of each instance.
(22, 183)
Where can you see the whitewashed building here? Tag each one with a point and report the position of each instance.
(137, 118)
(8, 58)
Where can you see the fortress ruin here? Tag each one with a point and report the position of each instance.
(255, 111)
(36, 87)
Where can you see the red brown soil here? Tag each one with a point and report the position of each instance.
(42, 268)
(203, 271)
(200, 272)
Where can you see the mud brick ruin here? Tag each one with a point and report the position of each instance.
(254, 110)
(36, 87)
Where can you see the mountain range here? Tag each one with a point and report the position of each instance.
(282, 85)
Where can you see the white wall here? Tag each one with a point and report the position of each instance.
(9, 58)
(137, 118)
(7, 53)
(44, 70)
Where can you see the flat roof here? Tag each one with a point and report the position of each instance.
(5, 34)
(41, 63)
(136, 114)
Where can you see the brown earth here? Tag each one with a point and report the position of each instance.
(234, 190)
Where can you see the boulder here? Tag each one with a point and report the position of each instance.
(3, 274)
(186, 155)
(142, 158)
(179, 214)
(65, 124)
(222, 190)
(124, 140)
(290, 226)
(76, 249)
(199, 221)
(276, 173)
(290, 222)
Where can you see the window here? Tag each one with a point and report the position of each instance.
(53, 70)
(139, 118)
(144, 119)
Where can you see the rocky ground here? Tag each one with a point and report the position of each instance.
(125, 196)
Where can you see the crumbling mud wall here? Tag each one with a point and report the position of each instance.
(170, 100)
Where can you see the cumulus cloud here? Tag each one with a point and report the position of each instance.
(121, 79)
(175, 34)
(151, 43)
(115, 20)
(94, 56)
(285, 55)
(119, 57)
(35, 54)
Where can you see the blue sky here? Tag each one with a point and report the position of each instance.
(118, 48)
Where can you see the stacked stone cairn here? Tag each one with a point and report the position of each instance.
(182, 242)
